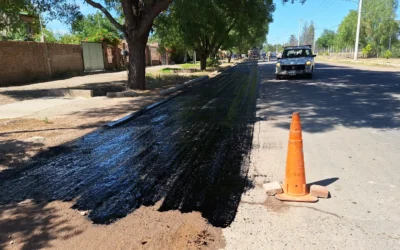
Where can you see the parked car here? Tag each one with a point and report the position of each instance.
(295, 60)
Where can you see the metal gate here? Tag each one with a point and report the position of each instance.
(92, 57)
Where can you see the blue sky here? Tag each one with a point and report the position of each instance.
(326, 14)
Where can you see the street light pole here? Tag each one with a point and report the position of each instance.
(358, 29)
(390, 42)
(298, 41)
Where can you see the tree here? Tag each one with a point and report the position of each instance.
(206, 26)
(347, 31)
(96, 28)
(308, 33)
(293, 40)
(327, 39)
(379, 23)
(138, 17)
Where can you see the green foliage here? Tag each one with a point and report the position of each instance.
(17, 34)
(69, 39)
(190, 66)
(49, 36)
(206, 26)
(103, 35)
(379, 22)
(212, 62)
(63, 10)
(366, 51)
(395, 50)
(327, 39)
(95, 28)
(387, 54)
(347, 31)
(378, 25)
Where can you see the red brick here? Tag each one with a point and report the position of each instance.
(319, 191)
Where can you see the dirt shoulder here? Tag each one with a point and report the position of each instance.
(54, 225)
(373, 64)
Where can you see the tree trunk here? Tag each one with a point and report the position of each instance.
(203, 62)
(230, 56)
(137, 63)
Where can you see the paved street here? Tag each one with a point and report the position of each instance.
(351, 121)
(211, 149)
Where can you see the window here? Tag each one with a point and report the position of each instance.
(291, 53)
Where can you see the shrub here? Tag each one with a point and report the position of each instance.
(387, 54)
(212, 62)
(395, 51)
(366, 51)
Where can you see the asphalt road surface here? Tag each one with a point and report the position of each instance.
(351, 135)
(190, 152)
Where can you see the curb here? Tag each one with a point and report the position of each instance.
(70, 92)
(182, 85)
(132, 116)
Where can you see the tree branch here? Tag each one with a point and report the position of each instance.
(151, 11)
(108, 15)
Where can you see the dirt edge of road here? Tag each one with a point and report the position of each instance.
(30, 225)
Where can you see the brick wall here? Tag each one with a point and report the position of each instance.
(22, 62)
(65, 59)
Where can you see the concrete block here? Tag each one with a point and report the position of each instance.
(319, 191)
(272, 188)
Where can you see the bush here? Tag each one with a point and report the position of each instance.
(387, 54)
(366, 51)
(395, 51)
(212, 62)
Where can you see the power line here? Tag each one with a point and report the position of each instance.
(318, 7)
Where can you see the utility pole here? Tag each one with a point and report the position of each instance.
(41, 29)
(358, 29)
(390, 42)
(298, 41)
(315, 27)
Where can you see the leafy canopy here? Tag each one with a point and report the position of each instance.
(327, 39)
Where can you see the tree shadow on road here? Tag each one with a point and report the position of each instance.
(337, 95)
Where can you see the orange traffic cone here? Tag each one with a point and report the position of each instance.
(294, 187)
